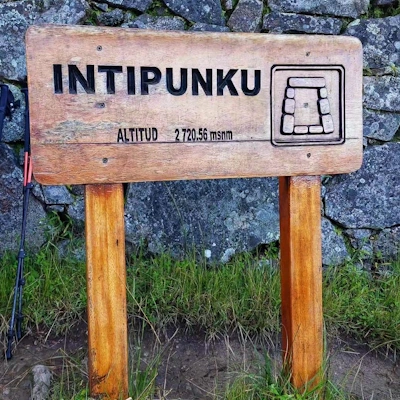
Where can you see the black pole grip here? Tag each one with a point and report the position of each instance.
(27, 136)
(3, 106)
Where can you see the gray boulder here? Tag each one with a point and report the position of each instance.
(62, 12)
(387, 244)
(11, 207)
(340, 8)
(57, 195)
(385, 2)
(380, 38)
(207, 11)
(100, 6)
(368, 198)
(139, 5)
(380, 125)
(111, 18)
(383, 245)
(16, 16)
(157, 23)
(382, 93)
(334, 250)
(76, 211)
(214, 218)
(247, 16)
(276, 22)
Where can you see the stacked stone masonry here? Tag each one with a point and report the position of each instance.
(361, 211)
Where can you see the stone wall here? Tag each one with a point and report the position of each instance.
(361, 211)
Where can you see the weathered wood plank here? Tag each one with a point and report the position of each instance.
(106, 291)
(301, 277)
(194, 95)
(131, 163)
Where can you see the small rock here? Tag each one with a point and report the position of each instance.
(64, 12)
(227, 4)
(247, 16)
(385, 2)
(228, 254)
(111, 18)
(207, 11)
(201, 27)
(157, 23)
(382, 93)
(101, 6)
(339, 8)
(275, 22)
(386, 246)
(380, 125)
(41, 382)
(57, 195)
(139, 5)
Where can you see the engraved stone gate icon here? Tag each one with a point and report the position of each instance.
(288, 125)
(307, 105)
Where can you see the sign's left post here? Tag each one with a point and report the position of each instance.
(106, 290)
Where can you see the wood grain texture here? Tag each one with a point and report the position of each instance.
(81, 127)
(301, 277)
(106, 291)
(116, 163)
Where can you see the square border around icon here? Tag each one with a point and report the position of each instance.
(314, 136)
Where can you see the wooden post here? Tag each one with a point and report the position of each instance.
(106, 291)
(301, 278)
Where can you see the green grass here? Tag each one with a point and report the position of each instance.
(364, 307)
(54, 293)
(382, 11)
(264, 385)
(243, 295)
(239, 295)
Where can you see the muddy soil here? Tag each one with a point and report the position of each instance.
(194, 367)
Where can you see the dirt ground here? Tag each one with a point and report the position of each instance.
(195, 368)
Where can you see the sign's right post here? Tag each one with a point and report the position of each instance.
(301, 278)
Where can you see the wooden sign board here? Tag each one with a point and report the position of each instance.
(113, 105)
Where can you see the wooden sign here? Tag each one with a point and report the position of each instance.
(123, 105)
(111, 105)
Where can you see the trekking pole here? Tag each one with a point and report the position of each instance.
(15, 329)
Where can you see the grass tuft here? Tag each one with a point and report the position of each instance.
(363, 306)
(238, 295)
